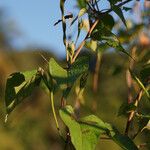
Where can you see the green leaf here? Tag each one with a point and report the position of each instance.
(65, 78)
(90, 135)
(92, 44)
(103, 34)
(112, 2)
(145, 72)
(59, 74)
(105, 25)
(99, 32)
(122, 140)
(142, 123)
(127, 8)
(67, 115)
(86, 132)
(83, 80)
(19, 86)
(80, 66)
(93, 120)
(113, 41)
(119, 12)
(102, 47)
(108, 21)
(46, 82)
(81, 3)
(91, 131)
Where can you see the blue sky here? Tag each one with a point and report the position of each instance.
(35, 19)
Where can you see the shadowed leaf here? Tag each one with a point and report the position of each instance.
(19, 86)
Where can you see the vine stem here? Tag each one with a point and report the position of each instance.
(53, 110)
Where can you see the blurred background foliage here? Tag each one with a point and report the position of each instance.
(31, 125)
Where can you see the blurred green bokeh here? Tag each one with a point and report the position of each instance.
(31, 126)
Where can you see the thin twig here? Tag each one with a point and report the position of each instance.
(128, 75)
(132, 113)
(83, 42)
(66, 17)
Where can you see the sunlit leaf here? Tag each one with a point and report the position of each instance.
(59, 74)
(67, 115)
(86, 132)
(65, 78)
(91, 131)
(92, 44)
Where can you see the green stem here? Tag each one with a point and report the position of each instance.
(54, 114)
(53, 110)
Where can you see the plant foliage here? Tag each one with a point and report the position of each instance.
(84, 133)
